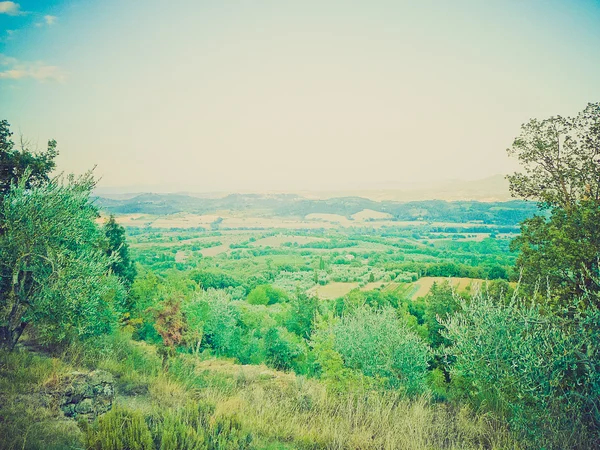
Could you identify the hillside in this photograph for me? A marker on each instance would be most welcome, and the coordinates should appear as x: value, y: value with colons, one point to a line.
x: 281, y: 205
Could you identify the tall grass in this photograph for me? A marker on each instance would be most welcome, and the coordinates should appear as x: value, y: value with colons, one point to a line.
x: 305, y: 414
x: 29, y: 413
x: 231, y: 407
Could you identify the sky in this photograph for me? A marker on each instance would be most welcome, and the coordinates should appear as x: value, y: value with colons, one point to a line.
x: 194, y: 95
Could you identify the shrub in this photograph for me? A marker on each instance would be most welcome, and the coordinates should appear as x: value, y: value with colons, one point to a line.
x: 266, y: 295
x: 281, y: 348
x: 538, y: 369
x: 379, y: 345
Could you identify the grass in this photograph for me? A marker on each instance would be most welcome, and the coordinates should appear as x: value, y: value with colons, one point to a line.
x: 281, y: 407
x: 219, y: 404
x: 334, y: 290
x: 29, y: 414
x: 424, y: 284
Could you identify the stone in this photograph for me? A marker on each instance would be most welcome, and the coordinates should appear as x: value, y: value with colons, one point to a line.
x: 87, y: 395
x: 85, y: 406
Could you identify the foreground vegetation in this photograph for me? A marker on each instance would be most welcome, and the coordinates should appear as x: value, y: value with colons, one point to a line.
x: 225, y: 405
x: 240, y: 347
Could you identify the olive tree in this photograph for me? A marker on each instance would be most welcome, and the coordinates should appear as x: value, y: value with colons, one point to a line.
x: 55, y: 275
x: 540, y: 371
x: 15, y: 161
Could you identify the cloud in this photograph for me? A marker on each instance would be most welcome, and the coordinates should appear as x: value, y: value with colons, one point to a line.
x: 17, y: 70
x: 10, y: 8
x: 50, y: 20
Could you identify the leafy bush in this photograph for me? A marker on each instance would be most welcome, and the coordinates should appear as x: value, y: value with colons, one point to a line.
x: 538, y: 369
x: 379, y: 345
x: 266, y: 295
x: 282, y: 348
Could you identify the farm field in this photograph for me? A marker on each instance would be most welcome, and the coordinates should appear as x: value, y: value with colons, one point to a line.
x: 323, y: 255
x: 333, y: 290
x: 423, y: 285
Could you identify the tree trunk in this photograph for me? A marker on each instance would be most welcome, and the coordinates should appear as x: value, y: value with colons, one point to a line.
x: 10, y: 336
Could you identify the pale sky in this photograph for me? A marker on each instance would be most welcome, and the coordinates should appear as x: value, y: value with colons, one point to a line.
x: 253, y: 95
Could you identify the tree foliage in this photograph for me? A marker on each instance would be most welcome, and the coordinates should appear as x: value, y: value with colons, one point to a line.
x: 266, y: 295
x: 440, y: 304
x: 379, y: 345
x: 171, y: 325
x: 560, y: 157
x: 15, y: 162
x: 117, y: 246
x: 561, y: 254
x: 55, y: 275
x: 560, y: 250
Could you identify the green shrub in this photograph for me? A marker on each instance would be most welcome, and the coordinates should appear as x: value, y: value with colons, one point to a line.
x: 266, y: 295
x: 379, y: 345
x: 538, y: 369
x: 281, y: 348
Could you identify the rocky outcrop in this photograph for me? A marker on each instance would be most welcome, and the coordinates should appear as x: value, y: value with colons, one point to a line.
x: 87, y: 395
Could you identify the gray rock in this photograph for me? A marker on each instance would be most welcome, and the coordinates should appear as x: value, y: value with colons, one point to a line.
x: 87, y: 395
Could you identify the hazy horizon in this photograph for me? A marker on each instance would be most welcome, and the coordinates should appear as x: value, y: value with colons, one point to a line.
x: 201, y: 97
x: 490, y: 189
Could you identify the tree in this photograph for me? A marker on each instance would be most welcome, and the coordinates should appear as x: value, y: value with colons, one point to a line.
x: 14, y: 162
x: 117, y: 246
x: 560, y: 248
x: 221, y: 329
x: 302, y: 314
x: 170, y: 323
x: 55, y: 275
x: 560, y: 157
x: 560, y: 254
x: 281, y: 348
x: 440, y: 304
x: 266, y: 295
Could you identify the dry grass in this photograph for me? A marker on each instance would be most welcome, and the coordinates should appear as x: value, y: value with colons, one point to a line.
x: 333, y: 290
x: 460, y: 284
x: 366, y: 214
x: 286, y: 408
x: 279, y: 409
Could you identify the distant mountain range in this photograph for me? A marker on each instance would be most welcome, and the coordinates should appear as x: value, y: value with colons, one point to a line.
x: 490, y: 189
x: 295, y: 206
